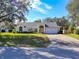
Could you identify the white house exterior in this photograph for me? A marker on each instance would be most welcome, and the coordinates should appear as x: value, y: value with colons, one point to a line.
x: 41, y: 27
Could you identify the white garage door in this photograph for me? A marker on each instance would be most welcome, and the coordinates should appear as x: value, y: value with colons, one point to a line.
x: 51, y: 30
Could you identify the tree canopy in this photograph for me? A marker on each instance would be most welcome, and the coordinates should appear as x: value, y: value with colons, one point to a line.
x: 73, y: 8
x: 14, y: 9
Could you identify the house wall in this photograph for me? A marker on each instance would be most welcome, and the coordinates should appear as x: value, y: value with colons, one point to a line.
x: 52, y: 27
x: 28, y: 26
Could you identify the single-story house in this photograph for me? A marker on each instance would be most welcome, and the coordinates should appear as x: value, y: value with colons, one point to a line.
x: 40, y: 27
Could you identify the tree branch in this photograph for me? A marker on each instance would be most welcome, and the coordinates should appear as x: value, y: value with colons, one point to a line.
x: 9, y: 14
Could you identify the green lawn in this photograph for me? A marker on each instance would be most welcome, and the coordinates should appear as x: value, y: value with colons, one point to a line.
x: 23, y: 40
x: 74, y: 36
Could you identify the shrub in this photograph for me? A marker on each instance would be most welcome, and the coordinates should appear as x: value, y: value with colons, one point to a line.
x: 10, y: 30
x: 71, y: 29
x: 2, y: 30
x: 61, y: 31
x: 77, y: 31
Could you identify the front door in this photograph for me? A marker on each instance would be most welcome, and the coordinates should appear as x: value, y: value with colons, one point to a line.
x: 20, y: 29
x: 41, y: 29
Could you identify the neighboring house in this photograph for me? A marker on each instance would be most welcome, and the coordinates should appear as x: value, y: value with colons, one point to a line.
x: 40, y: 27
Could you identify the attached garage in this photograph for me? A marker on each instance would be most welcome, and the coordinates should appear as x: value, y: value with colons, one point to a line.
x: 52, y: 30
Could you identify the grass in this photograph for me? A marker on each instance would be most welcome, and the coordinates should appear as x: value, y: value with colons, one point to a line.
x: 23, y: 40
x: 74, y: 36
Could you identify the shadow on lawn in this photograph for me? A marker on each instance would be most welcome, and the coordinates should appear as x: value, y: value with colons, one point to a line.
x: 37, y: 53
x: 23, y: 41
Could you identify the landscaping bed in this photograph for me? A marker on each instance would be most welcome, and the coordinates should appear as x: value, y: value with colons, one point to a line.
x: 23, y: 40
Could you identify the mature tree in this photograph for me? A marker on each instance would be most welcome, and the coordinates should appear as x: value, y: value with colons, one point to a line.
x: 73, y: 8
x: 12, y: 9
x: 63, y: 23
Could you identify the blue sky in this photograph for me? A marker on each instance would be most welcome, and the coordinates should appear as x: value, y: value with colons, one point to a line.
x: 47, y: 8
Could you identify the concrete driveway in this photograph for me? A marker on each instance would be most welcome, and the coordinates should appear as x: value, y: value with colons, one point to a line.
x: 61, y: 47
x: 63, y: 40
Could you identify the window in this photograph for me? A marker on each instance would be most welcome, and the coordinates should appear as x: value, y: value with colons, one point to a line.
x: 24, y: 26
x: 46, y: 25
x: 20, y: 29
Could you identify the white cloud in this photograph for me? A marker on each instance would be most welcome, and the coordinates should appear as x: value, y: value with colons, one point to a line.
x: 47, y: 6
x: 37, y: 2
x: 36, y: 5
x: 39, y: 9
